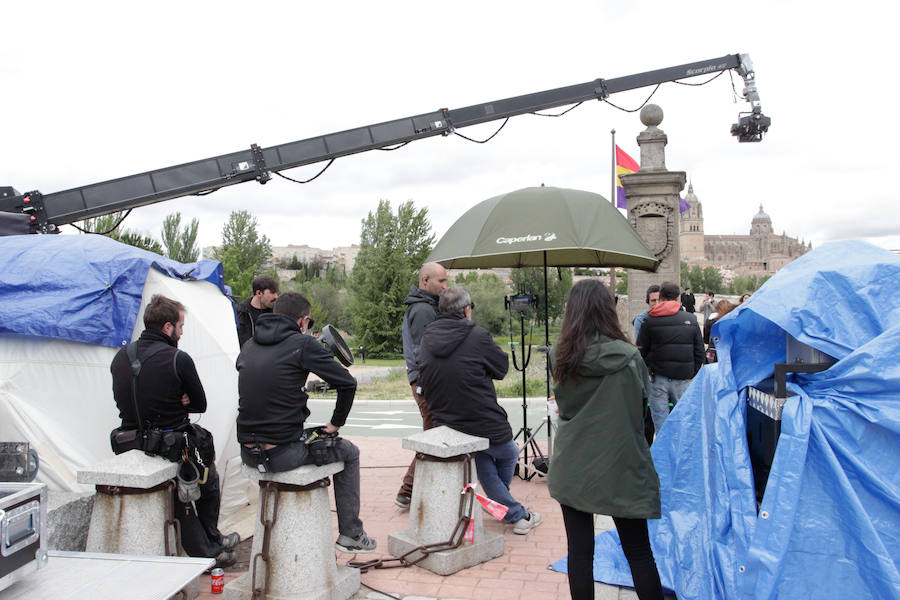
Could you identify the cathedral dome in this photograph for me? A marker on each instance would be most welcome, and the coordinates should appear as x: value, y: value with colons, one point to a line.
x: 761, y: 216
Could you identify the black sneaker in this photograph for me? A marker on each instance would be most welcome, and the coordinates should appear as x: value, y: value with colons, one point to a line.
x: 231, y: 540
x: 402, y: 501
x: 359, y: 545
x: 225, y: 559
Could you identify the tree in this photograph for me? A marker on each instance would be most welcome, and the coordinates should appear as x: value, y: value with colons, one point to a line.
x: 242, y: 252
x: 531, y: 281
x: 110, y: 226
x: 392, y: 248
x: 487, y: 292
x: 180, y: 244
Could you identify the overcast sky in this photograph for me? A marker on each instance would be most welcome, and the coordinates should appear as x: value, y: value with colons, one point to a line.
x: 95, y: 91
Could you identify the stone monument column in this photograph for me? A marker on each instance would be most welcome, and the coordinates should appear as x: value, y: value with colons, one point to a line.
x: 653, y: 210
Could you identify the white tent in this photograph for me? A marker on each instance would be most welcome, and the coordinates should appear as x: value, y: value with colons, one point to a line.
x: 56, y: 393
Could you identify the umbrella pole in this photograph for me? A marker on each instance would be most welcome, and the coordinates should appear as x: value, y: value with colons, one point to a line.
x: 547, y: 354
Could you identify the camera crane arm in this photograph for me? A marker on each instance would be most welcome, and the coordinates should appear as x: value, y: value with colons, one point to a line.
x: 47, y: 212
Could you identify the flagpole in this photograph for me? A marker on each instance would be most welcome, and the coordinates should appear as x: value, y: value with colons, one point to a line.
x: 612, y: 198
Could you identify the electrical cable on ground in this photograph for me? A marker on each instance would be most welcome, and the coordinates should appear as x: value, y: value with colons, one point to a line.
x: 377, y: 591
x: 325, y: 168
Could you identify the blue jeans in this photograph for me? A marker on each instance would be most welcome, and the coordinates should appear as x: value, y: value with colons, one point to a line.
x: 664, y: 390
x: 495, y: 467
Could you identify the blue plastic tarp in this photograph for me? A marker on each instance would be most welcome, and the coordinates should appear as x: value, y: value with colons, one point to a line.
x: 85, y: 288
x: 829, y: 523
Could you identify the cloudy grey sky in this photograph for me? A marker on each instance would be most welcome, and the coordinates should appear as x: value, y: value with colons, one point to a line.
x: 95, y: 91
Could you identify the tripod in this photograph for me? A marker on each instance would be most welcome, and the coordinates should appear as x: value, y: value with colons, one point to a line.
x: 540, y: 463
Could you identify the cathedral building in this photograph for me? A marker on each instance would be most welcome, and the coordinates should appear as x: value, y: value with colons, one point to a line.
x: 761, y: 252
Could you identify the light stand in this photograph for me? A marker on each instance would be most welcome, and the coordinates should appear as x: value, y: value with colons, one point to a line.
x: 521, y: 303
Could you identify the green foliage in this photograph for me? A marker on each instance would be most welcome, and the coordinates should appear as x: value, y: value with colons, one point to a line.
x: 108, y: 225
x: 392, y: 248
x: 747, y: 284
x: 704, y: 280
x: 531, y: 281
x: 333, y: 302
x: 487, y: 293
x: 622, y: 283
x: 180, y: 244
x: 242, y: 252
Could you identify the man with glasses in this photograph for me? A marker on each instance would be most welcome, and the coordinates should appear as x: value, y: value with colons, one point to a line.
x: 272, y: 370
x: 458, y: 362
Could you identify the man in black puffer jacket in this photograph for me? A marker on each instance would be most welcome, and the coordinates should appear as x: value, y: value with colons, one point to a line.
x: 672, y: 346
x: 458, y: 362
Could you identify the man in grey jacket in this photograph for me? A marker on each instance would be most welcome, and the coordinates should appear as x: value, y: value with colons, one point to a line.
x: 421, y: 309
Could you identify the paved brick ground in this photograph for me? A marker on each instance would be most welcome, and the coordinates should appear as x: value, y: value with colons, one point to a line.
x: 520, y: 572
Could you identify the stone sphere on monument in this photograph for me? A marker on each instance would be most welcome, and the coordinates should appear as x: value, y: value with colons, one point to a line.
x: 651, y: 115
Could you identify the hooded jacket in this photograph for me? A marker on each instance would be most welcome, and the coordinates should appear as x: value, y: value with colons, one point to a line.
x: 421, y: 309
x: 272, y: 371
x: 247, y: 315
x: 601, y: 461
x: 671, y: 342
x: 458, y: 362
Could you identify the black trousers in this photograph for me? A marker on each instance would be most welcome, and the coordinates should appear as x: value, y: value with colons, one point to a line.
x: 635, y: 544
x: 200, y: 534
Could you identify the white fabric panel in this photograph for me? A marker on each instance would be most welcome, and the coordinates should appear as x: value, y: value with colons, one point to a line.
x: 57, y: 394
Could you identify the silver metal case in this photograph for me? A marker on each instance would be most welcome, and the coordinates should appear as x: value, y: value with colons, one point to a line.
x: 23, y: 530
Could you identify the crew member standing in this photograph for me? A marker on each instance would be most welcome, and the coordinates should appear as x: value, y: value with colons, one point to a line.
x: 421, y: 309
x: 265, y: 293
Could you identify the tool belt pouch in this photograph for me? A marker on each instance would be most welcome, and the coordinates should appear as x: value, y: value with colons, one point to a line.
x: 320, y: 445
x: 171, y: 447
x: 188, y: 482
x: 202, y: 440
x: 122, y: 440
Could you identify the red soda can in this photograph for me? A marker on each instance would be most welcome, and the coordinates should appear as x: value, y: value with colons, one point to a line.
x: 218, y: 580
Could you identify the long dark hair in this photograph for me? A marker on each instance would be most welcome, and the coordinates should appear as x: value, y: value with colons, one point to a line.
x: 590, y: 310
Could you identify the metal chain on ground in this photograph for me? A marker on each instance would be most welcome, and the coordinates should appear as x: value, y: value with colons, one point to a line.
x: 466, y: 504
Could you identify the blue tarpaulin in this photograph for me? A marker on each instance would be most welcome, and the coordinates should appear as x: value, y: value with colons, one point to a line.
x: 85, y: 288
x: 829, y: 524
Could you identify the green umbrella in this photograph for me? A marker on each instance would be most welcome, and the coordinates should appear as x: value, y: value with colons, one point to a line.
x: 541, y: 227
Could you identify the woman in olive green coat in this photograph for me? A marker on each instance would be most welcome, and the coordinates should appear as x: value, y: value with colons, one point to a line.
x: 601, y: 462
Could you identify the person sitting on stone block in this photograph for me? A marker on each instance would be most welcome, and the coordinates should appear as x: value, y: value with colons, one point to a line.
x: 457, y: 362
x: 272, y: 370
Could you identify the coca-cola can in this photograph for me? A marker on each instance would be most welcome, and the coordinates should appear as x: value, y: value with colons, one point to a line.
x: 218, y: 580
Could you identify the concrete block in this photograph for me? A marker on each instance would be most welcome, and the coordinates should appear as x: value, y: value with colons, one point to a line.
x: 68, y: 517
x: 130, y: 523
x: 444, y: 442
x: 301, y: 543
x: 433, y: 517
x: 132, y: 469
x: 300, y: 476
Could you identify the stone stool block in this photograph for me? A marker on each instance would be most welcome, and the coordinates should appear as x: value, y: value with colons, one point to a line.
x: 301, y: 542
x: 434, y: 509
x: 133, y: 522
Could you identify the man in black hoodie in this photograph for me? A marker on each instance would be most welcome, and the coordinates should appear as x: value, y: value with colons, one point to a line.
x: 265, y: 293
x: 272, y: 370
x: 458, y: 362
x: 421, y: 309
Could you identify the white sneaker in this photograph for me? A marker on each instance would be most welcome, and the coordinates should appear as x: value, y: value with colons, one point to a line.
x: 523, y: 526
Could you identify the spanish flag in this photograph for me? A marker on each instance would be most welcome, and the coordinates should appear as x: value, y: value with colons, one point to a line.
x: 624, y: 166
